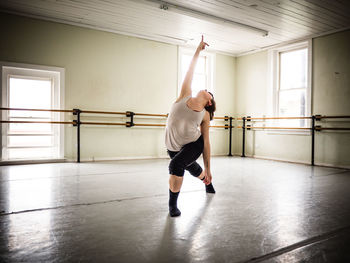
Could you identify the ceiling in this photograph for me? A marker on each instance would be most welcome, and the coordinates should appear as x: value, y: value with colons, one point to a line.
x: 232, y: 27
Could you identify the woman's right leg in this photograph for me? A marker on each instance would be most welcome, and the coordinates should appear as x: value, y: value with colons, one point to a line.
x: 175, y: 183
x: 179, y: 161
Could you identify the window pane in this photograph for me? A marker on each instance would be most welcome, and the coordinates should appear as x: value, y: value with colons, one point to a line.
x: 292, y: 104
x: 25, y: 141
x: 29, y: 127
x: 29, y: 93
x: 185, y: 64
x: 198, y: 83
x: 293, y: 69
x: 31, y: 153
x: 200, y: 67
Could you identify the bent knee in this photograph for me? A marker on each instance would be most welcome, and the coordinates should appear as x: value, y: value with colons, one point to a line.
x: 196, y: 171
x: 176, y: 168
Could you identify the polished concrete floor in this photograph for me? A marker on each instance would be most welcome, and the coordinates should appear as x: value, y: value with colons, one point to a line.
x: 263, y: 211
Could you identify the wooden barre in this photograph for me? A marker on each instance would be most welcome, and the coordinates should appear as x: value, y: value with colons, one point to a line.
x: 149, y: 125
x: 332, y: 117
x: 222, y: 118
x: 221, y: 126
x: 166, y: 115
x: 102, y: 112
x: 48, y: 122
x: 154, y: 115
x: 102, y: 123
x: 163, y: 125
x: 339, y: 129
x: 275, y: 118
x: 280, y: 128
x: 20, y: 109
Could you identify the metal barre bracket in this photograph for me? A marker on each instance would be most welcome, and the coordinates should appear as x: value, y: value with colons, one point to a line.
x: 318, y: 117
x: 76, y: 111
x: 130, y: 123
x: 77, y: 121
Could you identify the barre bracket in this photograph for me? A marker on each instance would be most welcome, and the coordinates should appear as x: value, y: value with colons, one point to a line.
x: 318, y: 117
x: 130, y: 123
x: 76, y: 111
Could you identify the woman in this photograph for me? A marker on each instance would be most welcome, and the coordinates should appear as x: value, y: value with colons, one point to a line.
x: 183, y: 139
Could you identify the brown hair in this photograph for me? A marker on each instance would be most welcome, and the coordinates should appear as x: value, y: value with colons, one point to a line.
x: 211, y: 109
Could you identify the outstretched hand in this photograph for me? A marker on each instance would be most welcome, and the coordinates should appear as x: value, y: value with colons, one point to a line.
x: 202, y: 45
x: 207, y: 177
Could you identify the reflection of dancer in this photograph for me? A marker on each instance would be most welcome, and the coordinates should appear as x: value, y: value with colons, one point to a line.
x: 184, y: 141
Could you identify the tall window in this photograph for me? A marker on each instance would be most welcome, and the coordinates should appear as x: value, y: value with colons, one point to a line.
x: 31, y: 88
x: 292, y: 89
x: 203, y: 76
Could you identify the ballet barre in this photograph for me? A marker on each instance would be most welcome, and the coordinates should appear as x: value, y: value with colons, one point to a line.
x: 228, y: 125
x: 313, y: 128
x: 77, y: 122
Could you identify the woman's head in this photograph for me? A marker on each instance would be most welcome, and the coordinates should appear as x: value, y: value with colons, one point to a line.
x: 211, y: 105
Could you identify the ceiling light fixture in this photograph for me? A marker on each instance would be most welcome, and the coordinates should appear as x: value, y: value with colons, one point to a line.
x: 208, y: 17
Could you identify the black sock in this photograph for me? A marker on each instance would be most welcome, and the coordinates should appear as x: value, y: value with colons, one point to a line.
x: 209, y: 188
x: 173, y: 210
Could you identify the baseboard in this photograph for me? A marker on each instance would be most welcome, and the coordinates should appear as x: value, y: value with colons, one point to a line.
x: 106, y: 159
x: 347, y: 167
x: 23, y: 162
x: 296, y: 162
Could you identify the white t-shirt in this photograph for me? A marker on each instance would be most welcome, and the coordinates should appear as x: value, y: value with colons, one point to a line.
x: 182, y: 125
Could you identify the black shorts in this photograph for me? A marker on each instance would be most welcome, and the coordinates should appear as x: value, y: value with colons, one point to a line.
x: 185, y: 159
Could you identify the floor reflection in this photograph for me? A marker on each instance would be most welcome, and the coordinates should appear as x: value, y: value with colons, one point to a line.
x: 289, y: 211
x: 182, y: 238
x: 28, y: 233
x: 24, y: 194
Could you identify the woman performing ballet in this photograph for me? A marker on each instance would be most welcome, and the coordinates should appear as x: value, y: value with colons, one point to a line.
x: 187, y: 135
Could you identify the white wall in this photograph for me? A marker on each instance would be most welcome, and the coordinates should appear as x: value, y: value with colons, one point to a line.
x: 111, y: 72
x: 331, y: 96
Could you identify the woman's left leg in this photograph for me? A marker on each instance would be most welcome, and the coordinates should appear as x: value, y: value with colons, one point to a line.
x: 196, y: 170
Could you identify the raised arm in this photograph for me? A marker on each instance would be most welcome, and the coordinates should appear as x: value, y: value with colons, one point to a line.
x: 206, y: 151
x: 186, y: 85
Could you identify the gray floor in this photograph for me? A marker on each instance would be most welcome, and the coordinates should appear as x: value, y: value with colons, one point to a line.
x: 263, y: 211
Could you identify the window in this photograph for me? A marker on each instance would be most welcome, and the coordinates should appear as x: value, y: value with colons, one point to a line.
x: 292, y: 84
x: 203, y: 76
x: 31, y: 87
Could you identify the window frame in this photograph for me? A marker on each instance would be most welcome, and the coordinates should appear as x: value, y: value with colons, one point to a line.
x: 57, y: 75
x: 274, y: 82
x: 210, y: 65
